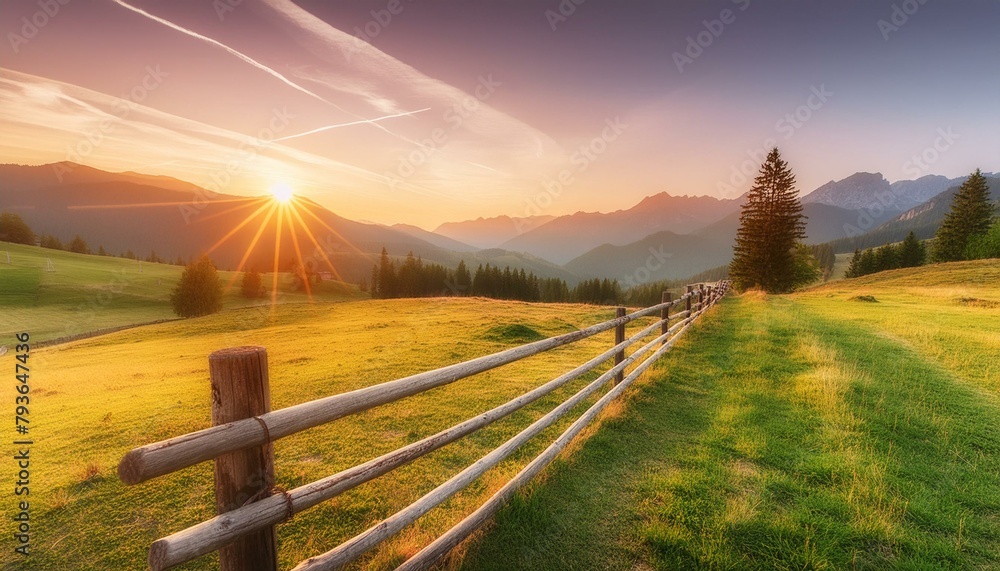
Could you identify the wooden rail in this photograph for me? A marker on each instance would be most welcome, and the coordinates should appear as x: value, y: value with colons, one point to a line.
x: 244, y: 426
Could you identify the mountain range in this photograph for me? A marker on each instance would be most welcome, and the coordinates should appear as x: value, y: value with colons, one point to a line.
x: 661, y: 237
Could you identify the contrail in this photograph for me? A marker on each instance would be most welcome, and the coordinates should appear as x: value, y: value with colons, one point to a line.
x: 217, y: 43
x: 258, y: 65
x: 361, y: 122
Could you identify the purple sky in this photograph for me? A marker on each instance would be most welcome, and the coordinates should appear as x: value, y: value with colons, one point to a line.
x: 452, y: 110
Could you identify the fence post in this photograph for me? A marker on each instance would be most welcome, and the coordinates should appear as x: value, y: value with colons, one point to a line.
x: 687, y: 305
x: 619, y: 337
x: 240, y: 390
x: 665, y: 315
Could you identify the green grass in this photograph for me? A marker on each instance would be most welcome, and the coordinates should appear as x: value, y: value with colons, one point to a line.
x: 797, y: 432
x: 88, y: 293
x: 810, y: 431
x: 95, y: 399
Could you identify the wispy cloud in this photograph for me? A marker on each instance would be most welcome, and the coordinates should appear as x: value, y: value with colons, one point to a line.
x: 351, y: 123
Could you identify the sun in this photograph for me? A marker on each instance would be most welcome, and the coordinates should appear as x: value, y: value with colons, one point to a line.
x: 282, y: 193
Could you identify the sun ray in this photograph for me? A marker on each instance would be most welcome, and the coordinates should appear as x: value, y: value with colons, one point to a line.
x: 249, y: 204
x: 277, y: 256
x: 149, y: 204
x: 315, y: 242
x: 237, y: 228
x: 253, y: 244
x: 335, y: 233
x: 298, y: 252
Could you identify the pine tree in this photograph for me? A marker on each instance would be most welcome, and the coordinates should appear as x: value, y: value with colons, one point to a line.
x: 463, y: 279
x: 101, y: 251
x: 386, y: 277
x: 771, y: 224
x: 854, y: 270
x: 199, y: 292
x: 374, y: 283
x: 971, y: 215
x: 912, y: 252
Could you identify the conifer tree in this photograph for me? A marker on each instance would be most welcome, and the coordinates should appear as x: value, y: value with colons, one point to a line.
x: 912, y: 252
x: 971, y: 215
x: 771, y: 224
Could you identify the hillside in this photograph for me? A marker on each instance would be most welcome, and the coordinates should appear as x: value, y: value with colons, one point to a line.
x: 97, y: 398
x: 568, y: 237
x: 490, y: 232
x: 432, y: 238
x: 812, y: 431
x: 80, y: 293
x: 661, y: 256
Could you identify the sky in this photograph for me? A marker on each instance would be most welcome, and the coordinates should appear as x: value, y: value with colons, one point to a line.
x: 424, y: 112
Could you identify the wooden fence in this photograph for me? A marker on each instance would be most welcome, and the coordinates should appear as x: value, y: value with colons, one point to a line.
x: 249, y: 504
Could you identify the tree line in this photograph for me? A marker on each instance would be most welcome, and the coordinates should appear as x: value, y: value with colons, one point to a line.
x: 909, y: 253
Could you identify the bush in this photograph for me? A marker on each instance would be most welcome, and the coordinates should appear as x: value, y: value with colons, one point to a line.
x: 251, y: 287
x: 199, y: 291
x: 14, y: 229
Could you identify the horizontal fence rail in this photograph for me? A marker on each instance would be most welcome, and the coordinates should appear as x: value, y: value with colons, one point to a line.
x: 254, y: 434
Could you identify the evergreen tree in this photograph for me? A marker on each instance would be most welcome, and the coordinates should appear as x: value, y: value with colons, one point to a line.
x: 101, y: 251
x: 386, y: 276
x: 252, y: 287
x: 199, y: 292
x: 463, y: 279
x: 806, y: 268
x: 912, y: 252
x: 14, y: 229
x: 854, y: 270
x: 771, y: 224
x: 886, y: 258
x: 78, y: 246
x: 971, y: 215
x: 374, y: 282
x: 51, y: 242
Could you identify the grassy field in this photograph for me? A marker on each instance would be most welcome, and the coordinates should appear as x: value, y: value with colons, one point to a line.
x: 87, y: 293
x: 93, y: 400
x: 852, y: 426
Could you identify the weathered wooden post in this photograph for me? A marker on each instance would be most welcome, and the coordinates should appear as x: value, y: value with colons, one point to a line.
x: 665, y: 315
x: 619, y: 337
x: 240, y: 390
x: 687, y: 304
